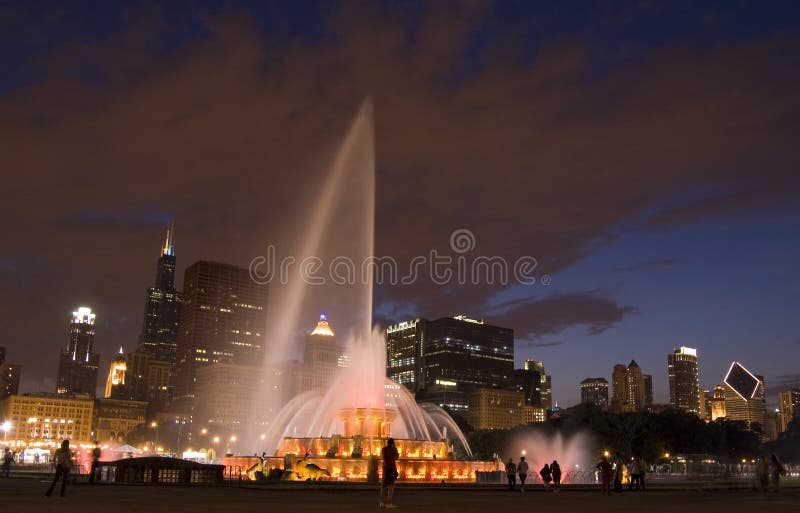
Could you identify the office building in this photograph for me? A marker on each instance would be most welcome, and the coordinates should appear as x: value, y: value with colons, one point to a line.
x: 789, y: 406
x: 469, y: 352
x: 10, y: 374
x: 648, y: 390
x: 115, y: 383
x: 223, y: 317
x: 77, y: 366
x: 148, y: 379
x: 684, y: 379
x: 225, y: 393
x: 404, y: 354
x: 322, y: 357
x: 457, y: 349
x: 629, y: 392
x: 744, y: 396
x: 114, y: 419
x: 496, y: 408
x: 162, y: 308
x: 718, y: 403
x: 595, y: 391
x: 44, y: 420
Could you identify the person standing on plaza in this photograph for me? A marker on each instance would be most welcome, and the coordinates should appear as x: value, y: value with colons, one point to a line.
x: 63, y: 463
x: 522, y: 470
x: 619, y: 465
x: 605, y: 476
x: 633, y: 472
x: 389, y: 455
x: 546, y: 476
x: 511, y: 474
x: 8, y: 458
x: 776, y: 470
x: 95, y: 459
x: 555, y: 469
x: 641, y: 468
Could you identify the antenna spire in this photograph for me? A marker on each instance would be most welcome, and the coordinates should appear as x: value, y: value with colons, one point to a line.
x: 169, y: 244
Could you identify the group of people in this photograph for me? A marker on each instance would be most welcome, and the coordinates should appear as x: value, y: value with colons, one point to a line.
x: 768, y: 473
x: 550, y: 473
x: 637, y: 470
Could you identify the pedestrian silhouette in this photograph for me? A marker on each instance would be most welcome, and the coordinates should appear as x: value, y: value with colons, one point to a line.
x: 63, y: 463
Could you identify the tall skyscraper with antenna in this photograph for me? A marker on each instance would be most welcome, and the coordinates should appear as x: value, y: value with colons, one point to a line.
x: 162, y: 307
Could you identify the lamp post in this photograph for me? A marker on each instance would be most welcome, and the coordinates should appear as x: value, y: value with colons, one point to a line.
x: 6, y: 429
x: 180, y: 423
x: 154, y: 425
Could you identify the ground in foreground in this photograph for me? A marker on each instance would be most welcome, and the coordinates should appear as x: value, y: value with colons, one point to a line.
x: 26, y: 495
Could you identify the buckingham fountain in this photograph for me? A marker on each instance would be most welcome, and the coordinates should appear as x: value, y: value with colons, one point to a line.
x: 337, y: 432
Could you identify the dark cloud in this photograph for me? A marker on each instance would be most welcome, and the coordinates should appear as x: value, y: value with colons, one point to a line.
x: 534, y: 318
x: 231, y: 136
x: 530, y: 344
x: 648, y: 265
x: 780, y: 383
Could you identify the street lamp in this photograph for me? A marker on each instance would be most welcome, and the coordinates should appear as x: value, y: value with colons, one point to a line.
x: 154, y: 425
x: 6, y: 429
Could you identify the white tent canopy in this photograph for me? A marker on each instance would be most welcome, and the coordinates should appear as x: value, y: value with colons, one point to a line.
x: 127, y: 448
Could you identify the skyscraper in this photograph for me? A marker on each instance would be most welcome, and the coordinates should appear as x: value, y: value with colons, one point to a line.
x: 744, y: 395
x: 542, y: 395
x: 718, y: 403
x: 469, y: 352
x: 223, y: 317
x: 684, y: 380
x: 629, y: 388
x: 162, y: 308
x: 77, y: 367
x: 115, y: 383
x: 789, y: 406
x: 464, y: 352
x: 404, y: 356
x: 648, y: 390
x: 595, y: 391
x: 9, y: 376
x: 321, y: 358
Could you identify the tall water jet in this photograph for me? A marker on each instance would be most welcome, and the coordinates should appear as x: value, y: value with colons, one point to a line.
x: 341, y: 424
x: 352, y: 176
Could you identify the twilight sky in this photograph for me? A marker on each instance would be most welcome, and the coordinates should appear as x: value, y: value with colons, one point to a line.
x: 646, y: 154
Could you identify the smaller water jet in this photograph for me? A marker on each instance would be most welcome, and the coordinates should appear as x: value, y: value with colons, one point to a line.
x: 575, y: 453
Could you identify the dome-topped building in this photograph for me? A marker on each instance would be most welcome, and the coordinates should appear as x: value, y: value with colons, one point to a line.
x: 323, y: 329
x: 321, y: 358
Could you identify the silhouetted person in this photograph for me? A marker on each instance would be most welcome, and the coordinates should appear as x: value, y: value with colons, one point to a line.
x: 762, y: 474
x: 546, y: 475
x: 605, y: 476
x: 511, y: 474
x: 633, y: 470
x: 8, y: 458
x: 62, y: 459
x: 389, y: 455
x: 619, y: 465
x: 641, y: 467
x: 522, y: 471
x: 95, y: 459
x: 555, y: 469
x: 776, y: 469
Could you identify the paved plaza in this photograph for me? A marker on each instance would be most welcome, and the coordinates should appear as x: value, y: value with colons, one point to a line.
x: 26, y: 495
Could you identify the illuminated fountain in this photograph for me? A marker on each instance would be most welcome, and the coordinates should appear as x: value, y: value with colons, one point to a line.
x: 343, y: 429
x: 338, y: 432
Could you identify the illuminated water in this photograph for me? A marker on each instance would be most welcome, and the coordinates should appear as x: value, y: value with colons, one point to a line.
x: 344, y: 205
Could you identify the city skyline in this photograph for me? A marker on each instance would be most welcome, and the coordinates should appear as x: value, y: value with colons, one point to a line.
x: 647, y: 163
